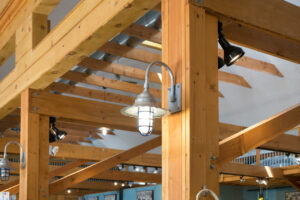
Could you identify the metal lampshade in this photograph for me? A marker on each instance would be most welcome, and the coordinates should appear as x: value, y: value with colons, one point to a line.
x: 145, y: 99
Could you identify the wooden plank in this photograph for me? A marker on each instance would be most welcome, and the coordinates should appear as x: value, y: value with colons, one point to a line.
x: 233, y: 78
x: 250, y: 170
x: 13, y: 18
x: 190, y: 137
x: 76, y: 37
x: 130, y: 52
x: 260, y: 14
x: 118, y: 69
x: 43, y: 145
x: 91, y: 93
x: 4, y: 5
x: 13, y: 187
x: 102, y: 166
x: 285, y: 143
x: 93, y: 79
x: 153, y: 35
x: 262, y: 41
x: 7, y: 50
x: 292, y: 183
x: 129, y: 176
x: 104, y: 114
x: 258, y: 134
x: 29, y: 176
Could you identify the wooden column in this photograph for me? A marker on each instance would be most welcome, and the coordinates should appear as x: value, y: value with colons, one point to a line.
x: 190, y: 138
x: 35, y: 142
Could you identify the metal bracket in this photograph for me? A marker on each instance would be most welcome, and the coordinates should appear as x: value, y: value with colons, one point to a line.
x: 175, y: 106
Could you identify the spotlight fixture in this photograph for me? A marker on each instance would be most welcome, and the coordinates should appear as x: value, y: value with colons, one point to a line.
x: 123, y: 184
x: 54, y: 133
x: 69, y: 191
x: 231, y: 53
x: 242, y: 180
x: 220, y: 62
x: 145, y: 107
x: 155, y: 171
x: 5, y: 166
x: 115, y: 183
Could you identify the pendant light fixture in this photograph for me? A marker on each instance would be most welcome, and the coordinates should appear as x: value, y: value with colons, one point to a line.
x: 5, y: 166
x: 145, y: 108
x: 231, y: 53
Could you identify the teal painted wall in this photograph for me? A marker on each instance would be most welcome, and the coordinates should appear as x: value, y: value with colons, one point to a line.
x: 227, y: 192
x: 130, y: 194
x: 101, y: 195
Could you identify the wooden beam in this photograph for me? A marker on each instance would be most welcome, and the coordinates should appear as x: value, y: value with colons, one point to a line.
x: 250, y: 170
x: 68, y: 44
x: 258, y: 134
x: 292, y: 183
x: 262, y: 41
x: 35, y: 142
x: 102, y: 166
x: 190, y: 137
x: 153, y: 35
x: 13, y: 187
x: 115, y: 68
x: 285, y: 143
x: 233, y: 78
x: 130, y: 52
x: 93, y: 79
x: 91, y: 93
x: 72, y: 151
x: 129, y: 176
x: 260, y: 15
x: 13, y: 17
x: 148, y: 57
x: 104, y: 114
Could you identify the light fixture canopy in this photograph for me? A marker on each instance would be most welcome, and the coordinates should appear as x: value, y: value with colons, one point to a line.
x: 145, y: 107
x: 5, y: 166
x: 231, y: 53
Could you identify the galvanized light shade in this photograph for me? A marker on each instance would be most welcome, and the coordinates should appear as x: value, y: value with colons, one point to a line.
x: 145, y: 107
x: 5, y: 166
x: 145, y: 99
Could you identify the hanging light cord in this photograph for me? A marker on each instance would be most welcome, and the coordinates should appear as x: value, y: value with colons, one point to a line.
x: 205, y: 191
x: 22, y: 152
x: 146, y: 85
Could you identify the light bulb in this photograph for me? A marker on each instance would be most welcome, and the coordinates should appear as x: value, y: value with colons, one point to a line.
x: 104, y: 131
x: 69, y: 191
x: 123, y: 185
x: 115, y: 183
x: 145, y: 120
x: 155, y: 171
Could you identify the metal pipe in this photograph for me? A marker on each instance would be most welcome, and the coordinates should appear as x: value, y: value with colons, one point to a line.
x: 22, y: 152
x: 146, y: 85
x: 205, y: 191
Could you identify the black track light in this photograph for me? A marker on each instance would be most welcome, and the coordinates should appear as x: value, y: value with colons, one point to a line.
x: 54, y: 133
x: 220, y: 62
x: 231, y: 53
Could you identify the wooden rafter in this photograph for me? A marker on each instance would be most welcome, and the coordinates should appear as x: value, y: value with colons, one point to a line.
x: 258, y: 134
x: 93, y: 79
x: 102, y: 166
x: 153, y: 35
x: 67, y: 45
x: 148, y: 57
x: 74, y: 151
